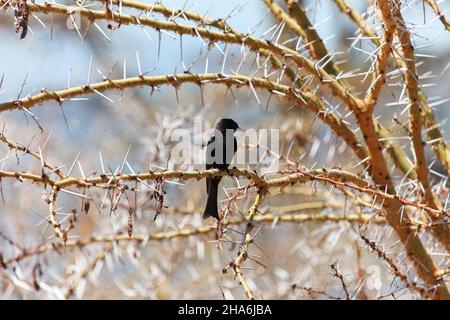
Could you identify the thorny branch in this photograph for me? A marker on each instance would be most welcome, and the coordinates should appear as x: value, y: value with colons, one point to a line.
x: 321, y: 70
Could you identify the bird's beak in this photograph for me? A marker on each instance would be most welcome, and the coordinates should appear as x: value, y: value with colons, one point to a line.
x: 239, y: 129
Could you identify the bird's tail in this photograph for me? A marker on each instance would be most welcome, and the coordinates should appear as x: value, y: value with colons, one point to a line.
x: 211, y: 204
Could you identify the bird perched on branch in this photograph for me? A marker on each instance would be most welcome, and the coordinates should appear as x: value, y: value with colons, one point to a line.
x: 219, y: 153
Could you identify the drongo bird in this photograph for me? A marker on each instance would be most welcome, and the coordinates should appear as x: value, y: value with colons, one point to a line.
x: 219, y: 153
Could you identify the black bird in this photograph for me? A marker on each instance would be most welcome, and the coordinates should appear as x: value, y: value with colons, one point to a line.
x: 219, y: 152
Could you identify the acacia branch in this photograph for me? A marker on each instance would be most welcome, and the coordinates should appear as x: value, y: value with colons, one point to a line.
x: 59, y: 233
x: 303, y: 97
x: 412, y: 87
x: 236, y: 264
x: 382, y: 57
x: 172, y: 13
x: 440, y: 147
x: 268, y: 218
x: 319, y: 52
x: 415, y: 127
x: 434, y: 6
x: 335, y: 177
x: 252, y: 42
x: 395, y: 269
x: 415, y: 249
x: 34, y: 154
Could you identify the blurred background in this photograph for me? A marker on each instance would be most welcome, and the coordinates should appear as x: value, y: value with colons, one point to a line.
x: 132, y: 123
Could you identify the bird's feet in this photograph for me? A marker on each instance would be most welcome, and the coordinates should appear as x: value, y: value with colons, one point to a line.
x: 230, y: 171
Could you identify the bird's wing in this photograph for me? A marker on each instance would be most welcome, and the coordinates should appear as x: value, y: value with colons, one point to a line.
x: 210, y: 153
x: 215, y: 153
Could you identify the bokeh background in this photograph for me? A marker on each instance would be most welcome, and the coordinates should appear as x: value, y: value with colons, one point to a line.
x: 53, y: 56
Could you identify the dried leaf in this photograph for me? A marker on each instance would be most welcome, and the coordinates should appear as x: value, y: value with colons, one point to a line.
x: 21, y: 14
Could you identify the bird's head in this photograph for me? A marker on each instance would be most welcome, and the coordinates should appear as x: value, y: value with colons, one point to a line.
x: 227, y: 124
